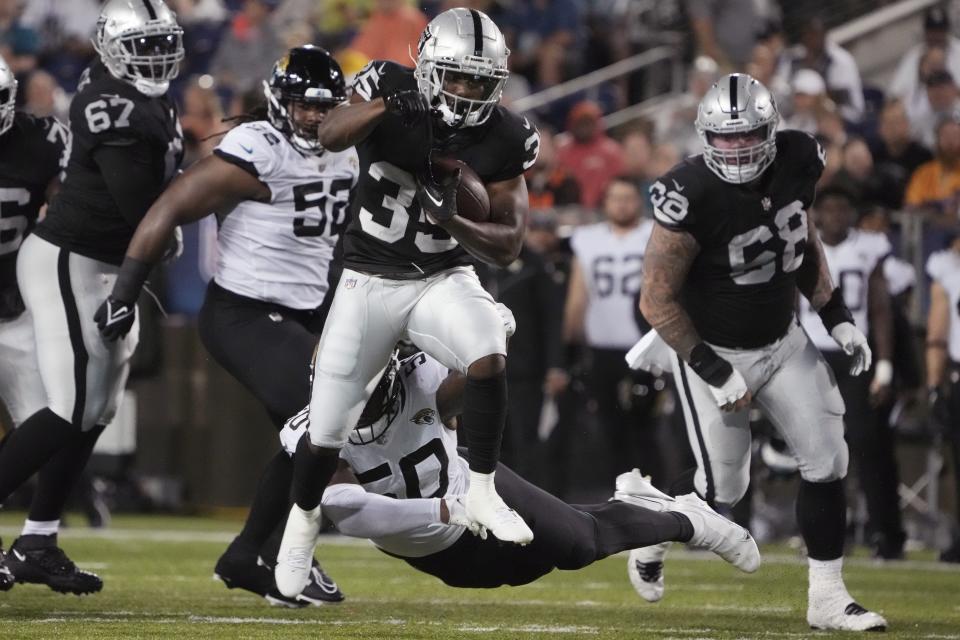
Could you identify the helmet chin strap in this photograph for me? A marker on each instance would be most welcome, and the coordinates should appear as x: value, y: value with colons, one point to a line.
x: 151, y: 88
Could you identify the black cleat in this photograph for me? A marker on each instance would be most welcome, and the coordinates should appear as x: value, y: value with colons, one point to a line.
x: 240, y: 568
x: 321, y: 589
x: 6, y: 578
x: 37, y: 559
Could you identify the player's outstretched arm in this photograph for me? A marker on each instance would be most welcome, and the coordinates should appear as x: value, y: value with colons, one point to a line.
x: 498, y: 241
x: 348, y: 124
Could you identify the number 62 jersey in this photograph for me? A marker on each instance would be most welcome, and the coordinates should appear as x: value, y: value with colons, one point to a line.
x: 280, y: 250
x: 740, y: 291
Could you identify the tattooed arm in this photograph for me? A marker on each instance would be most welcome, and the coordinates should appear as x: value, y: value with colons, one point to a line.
x: 813, y: 276
x: 665, y: 266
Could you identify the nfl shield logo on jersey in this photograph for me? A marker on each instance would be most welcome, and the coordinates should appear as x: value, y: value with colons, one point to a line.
x: 766, y: 203
x: 350, y: 283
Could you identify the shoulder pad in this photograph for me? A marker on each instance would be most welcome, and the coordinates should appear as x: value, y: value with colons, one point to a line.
x: 673, y: 194
x: 379, y: 78
x: 518, y: 140
x: 803, y: 149
x: 252, y: 146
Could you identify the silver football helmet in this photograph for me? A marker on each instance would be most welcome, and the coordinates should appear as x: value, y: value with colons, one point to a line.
x: 383, y: 407
x: 140, y: 42
x: 8, y: 96
x: 736, y: 107
x: 463, y: 42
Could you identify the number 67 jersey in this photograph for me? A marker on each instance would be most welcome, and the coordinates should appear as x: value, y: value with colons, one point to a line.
x: 280, y: 250
x: 741, y: 288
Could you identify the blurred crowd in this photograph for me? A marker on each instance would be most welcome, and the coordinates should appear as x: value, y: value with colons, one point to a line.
x: 895, y: 148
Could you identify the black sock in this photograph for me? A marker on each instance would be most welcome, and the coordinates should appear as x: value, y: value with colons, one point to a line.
x: 58, y: 477
x: 622, y: 526
x: 29, y: 447
x: 822, y: 516
x: 311, y: 473
x: 271, y: 502
x: 483, y: 420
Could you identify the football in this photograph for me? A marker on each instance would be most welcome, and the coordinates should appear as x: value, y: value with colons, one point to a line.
x: 473, y: 203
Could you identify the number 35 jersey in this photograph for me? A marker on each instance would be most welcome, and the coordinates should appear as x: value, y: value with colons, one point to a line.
x: 84, y: 217
x: 389, y: 234
x: 741, y: 288
x: 280, y: 251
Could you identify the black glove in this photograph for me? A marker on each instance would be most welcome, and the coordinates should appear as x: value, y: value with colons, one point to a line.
x: 439, y: 199
x: 410, y: 106
x: 115, y: 318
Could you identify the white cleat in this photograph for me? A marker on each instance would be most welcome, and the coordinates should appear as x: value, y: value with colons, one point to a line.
x: 489, y: 511
x: 295, y: 558
x: 711, y: 531
x: 838, y: 610
x: 645, y: 569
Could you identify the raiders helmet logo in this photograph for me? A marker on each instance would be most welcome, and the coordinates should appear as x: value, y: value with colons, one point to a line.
x: 426, y: 35
x: 424, y: 416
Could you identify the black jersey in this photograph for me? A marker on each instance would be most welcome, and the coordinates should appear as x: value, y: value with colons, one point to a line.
x: 31, y: 152
x: 388, y: 233
x: 741, y: 288
x: 84, y: 217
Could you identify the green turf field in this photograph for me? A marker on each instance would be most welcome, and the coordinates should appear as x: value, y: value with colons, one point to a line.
x: 157, y: 573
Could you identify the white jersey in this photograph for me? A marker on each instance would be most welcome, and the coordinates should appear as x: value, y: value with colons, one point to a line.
x: 612, y: 267
x: 415, y: 458
x: 900, y: 275
x: 851, y: 262
x: 943, y: 267
x: 279, y: 251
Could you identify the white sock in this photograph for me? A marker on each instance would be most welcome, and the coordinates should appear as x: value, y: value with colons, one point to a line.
x: 826, y: 573
x: 40, y: 527
x: 481, y: 482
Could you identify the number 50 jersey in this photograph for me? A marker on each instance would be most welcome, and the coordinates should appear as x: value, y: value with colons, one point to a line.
x: 741, y: 288
x: 280, y: 251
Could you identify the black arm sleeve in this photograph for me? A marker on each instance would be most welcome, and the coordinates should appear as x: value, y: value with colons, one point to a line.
x: 130, y: 176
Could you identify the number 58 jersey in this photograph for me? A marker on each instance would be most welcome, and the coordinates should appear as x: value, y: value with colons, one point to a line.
x: 740, y: 291
x: 280, y: 250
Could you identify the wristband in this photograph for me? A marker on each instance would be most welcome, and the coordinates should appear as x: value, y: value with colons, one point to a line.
x: 133, y: 273
x: 835, y: 311
x: 705, y: 362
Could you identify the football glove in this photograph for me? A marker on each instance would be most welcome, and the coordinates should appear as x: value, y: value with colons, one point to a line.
x: 457, y: 507
x: 731, y: 391
x: 439, y: 200
x: 175, y: 248
x: 410, y: 106
x: 854, y: 344
x: 509, y: 322
x: 115, y: 318
x: 650, y: 354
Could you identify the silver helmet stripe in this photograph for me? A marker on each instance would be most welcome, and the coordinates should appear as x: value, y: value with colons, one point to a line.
x: 477, y: 33
x: 150, y: 10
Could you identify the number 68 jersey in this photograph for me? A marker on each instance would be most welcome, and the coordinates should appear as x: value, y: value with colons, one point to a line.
x: 741, y: 288
x: 280, y: 250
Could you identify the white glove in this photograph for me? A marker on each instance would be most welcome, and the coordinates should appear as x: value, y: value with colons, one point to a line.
x: 509, y: 322
x: 882, y: 375
x: 854, y: 344
x: 175, y: 250
x: 457, y: 507
x: 732, y: 390
x: 651, y: 354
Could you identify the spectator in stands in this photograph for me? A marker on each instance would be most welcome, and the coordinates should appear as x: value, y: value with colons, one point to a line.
x: 338, y: 21
x: 834, y: 64
x: 763, y: 66
x: 934, y: 186
x: 726, y: 30
x: 542, y: 36
x: 66, y: 29
x: 809, y: 94
x: 908, y: 80
x: 896, y: 155
x: 600, y: 313
x: 678, y: 127
x: 549, y: 183
x: 856, y: 177
x: 933, y: 59
x: 18, y: 44
x: 665, y: 156
x: 637, y: 154
x: 391, y: 32
x: 943, y: 361
x: 943, y: 100
x: 248, y: 49
x: 201, y: 118
x: 588, y: 152
x: 44, y: 97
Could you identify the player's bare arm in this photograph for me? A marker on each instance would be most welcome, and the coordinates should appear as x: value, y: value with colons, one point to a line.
x: 212, y: 184
x: 575, y: 308
x: 881, y: 313
x: 665, y: 267
x: 938, y: 330
x: 813, y: 276
x: 350, y: 123
x: 450, y: 398
x: 498, y: 241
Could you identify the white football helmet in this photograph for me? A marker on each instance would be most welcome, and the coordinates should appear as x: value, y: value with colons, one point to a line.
x: 8, y: 96
x: 738, y: 104
x: 467, y: 42
x: 140, y: 42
